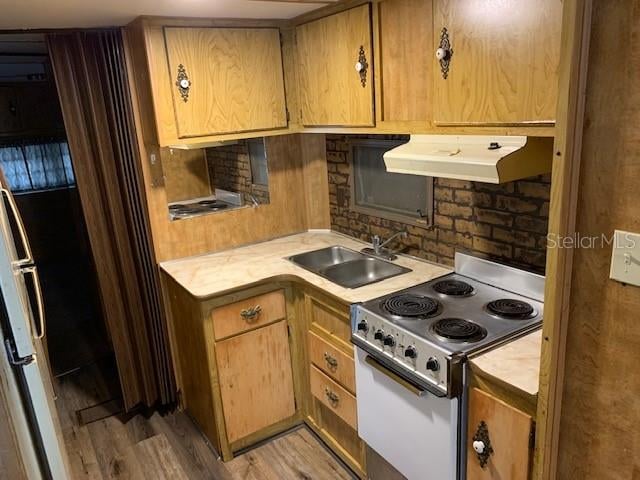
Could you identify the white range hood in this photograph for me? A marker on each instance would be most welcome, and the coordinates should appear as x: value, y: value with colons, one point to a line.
x: 480, y: 158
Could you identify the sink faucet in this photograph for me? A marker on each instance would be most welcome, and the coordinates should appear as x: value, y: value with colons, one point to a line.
x: 378, y: 246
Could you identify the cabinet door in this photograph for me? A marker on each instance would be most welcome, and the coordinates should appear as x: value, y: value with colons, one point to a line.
x: 10, y: 120
x: 406, y: 66
x: 256, y: 381
x: 509, y: 431
x: 503, y: 70
x: 234, y: 79
x: 18, y: 104
x: 332, y: 92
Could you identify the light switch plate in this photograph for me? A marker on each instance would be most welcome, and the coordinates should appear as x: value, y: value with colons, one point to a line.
x: 625, y: 259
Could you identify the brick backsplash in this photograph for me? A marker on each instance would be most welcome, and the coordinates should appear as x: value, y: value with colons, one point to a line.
x: 506, y: 222
x: 230, y: 169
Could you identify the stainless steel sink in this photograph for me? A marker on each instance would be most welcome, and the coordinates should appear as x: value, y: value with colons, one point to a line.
x: 317, y: 260
x: 346, y: 267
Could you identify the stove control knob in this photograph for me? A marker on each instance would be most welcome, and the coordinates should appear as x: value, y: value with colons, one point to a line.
x: 389, y: 341
x: 362, y: 326
x: 411, y: 352
x: 378, y: 335
x: 433, y: 364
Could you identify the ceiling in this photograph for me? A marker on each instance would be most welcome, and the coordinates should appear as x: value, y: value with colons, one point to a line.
x: 36, y: 14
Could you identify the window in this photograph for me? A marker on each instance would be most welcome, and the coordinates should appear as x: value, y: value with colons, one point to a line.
x: 394, y: 196
x: 258, y: 162
x: 37, y: 166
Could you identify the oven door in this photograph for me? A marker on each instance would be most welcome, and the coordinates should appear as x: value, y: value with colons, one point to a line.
x: 412, y: 429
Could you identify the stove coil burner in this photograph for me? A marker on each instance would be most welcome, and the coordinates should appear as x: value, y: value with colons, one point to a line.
x: 207, y: 203
x: 177, y: 206
x: 511, y: 309
x: 455, y: 288
x: 212, y: 204
x: 459, y: 330
x: 407, y: 305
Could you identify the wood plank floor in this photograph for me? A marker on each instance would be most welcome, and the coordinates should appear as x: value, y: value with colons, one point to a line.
x: 171, y: 447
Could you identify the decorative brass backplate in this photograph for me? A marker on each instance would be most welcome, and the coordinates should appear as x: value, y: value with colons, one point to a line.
x: 332, y: 396
x: 362, y: 66
x: 482, y: 437
x: 444, y: 53
x: 183, y: 83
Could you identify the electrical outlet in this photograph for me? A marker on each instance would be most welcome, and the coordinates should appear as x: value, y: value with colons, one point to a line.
x: 625, y: 259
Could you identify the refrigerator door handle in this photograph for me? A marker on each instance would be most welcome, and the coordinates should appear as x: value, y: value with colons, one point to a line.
x: 28, y: 259
x: 39, y: 300
x: 13, y: 357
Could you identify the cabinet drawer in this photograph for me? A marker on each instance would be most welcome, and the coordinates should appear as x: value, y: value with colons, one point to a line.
x: 336, y: 364
x: 247, y: 314
x: 330, y: 320
x: 332, y: 395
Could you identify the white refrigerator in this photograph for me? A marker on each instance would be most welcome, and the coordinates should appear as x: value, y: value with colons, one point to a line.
x: 26, y: 388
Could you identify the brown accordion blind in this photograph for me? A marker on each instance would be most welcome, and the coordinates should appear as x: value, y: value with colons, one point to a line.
x: 91, y: 78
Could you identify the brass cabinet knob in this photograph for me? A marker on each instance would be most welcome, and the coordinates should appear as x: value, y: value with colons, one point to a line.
x: 250, y: 314
x: 332, y: 396
x: 331, y: 360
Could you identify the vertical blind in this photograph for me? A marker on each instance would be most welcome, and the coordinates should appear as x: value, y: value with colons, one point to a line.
x: 37, y: 165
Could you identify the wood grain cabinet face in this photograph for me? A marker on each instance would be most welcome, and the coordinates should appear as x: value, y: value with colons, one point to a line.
x: 248, y: 314
x: 332, y: 409
x: 233, y: 80
x: 256, y: 381
x: 332, y: 361
x: 406, y: 60
x: 331, y: 91
x: 503, y: 70
x: 509, y: 432
x: 334, y: 396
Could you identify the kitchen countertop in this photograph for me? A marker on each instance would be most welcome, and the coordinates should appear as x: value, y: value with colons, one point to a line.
x: 221, y: 272
x: 515, y: 366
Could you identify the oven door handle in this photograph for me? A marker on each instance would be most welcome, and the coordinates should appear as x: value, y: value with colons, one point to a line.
x: 415, y: 389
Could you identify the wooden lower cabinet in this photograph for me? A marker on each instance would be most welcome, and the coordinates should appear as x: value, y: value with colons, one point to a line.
x: 235, y: 371
x: 256, y: 381
x: 244, y: 377
x: 331, y: 407
x: 244, y: 315
x: 332, y: 361
x: 509, y: 431
x: 334, y: 396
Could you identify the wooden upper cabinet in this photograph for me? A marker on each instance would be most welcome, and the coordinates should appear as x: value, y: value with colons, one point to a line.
x: 405, y: 33
x: 509, y: 433
x: 503, y: 70
x: 332, y: 92
x: 233, y: 80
